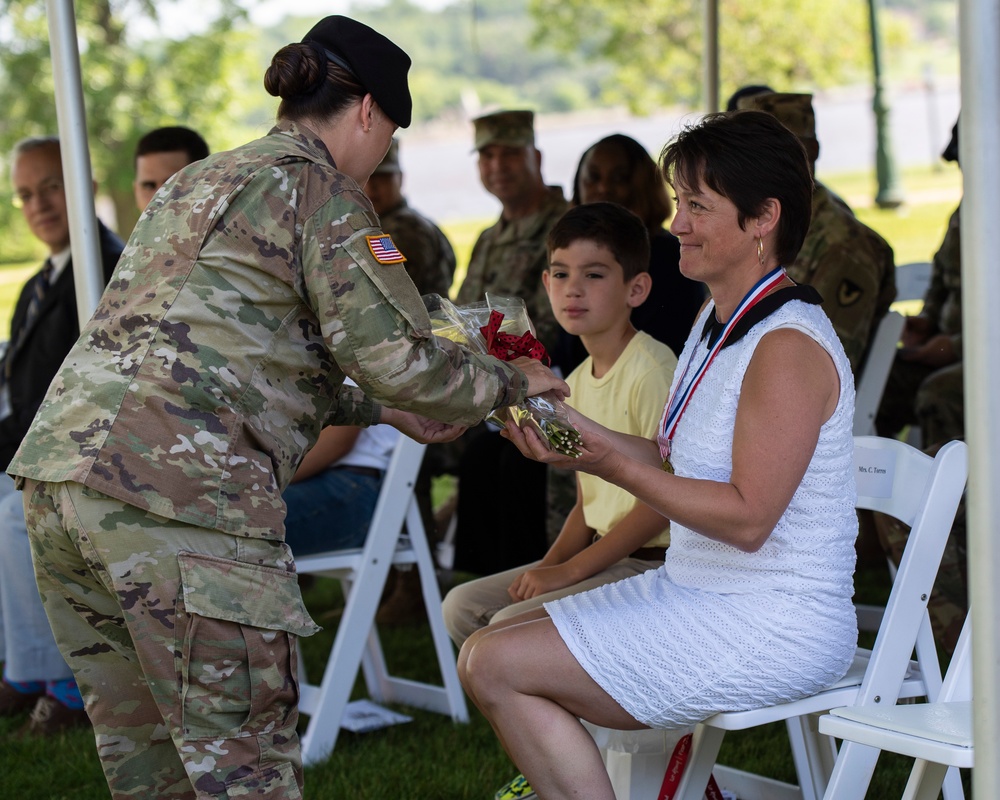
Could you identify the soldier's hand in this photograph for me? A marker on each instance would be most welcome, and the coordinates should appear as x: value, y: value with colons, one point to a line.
x: 541, y: 378
x: 422, y: 429
x: 938, y: 351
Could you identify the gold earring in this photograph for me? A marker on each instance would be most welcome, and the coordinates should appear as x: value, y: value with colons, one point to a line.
x: 760, y: 250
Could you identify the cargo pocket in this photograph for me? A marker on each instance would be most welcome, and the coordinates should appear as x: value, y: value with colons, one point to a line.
x: 238, y: 665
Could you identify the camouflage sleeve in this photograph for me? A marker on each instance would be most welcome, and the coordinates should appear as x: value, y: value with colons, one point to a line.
x: 945, y: 274
x: 850, y: 284
x: 354, y: 407
x: 378, y: 331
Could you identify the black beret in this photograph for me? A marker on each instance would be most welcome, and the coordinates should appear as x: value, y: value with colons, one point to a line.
x: 378, y: 64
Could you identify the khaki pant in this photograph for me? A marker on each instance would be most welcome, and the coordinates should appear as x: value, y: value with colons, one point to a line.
x: 182, y: 641
x: 475, y: 604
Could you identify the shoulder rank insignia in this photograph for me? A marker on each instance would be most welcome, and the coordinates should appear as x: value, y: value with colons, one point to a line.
x: 384, y: 250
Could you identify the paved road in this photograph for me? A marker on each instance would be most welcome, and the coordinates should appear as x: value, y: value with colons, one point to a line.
x: 442, y: 180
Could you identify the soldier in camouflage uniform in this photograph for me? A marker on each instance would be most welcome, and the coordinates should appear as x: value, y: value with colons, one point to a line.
x: 925, y: 382
x: 925, y: 387
x: 252, y: 284
x: 508, y: 259
x: 430, y: 260
x: 848, y: 263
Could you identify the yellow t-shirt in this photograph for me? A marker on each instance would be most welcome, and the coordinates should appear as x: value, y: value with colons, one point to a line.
x: 629, y: 399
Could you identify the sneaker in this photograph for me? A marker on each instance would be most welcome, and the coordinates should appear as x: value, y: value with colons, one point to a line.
x: 517, y: 789
x: 13, y: 702
x: 50, y: 717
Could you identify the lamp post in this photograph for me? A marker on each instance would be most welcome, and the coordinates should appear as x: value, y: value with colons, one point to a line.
x: 890, y: 194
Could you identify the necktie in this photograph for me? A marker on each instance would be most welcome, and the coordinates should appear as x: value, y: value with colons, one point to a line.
x: 39, y: 288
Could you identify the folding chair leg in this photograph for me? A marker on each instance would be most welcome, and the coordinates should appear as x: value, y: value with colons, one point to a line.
x: 448, y: 698
x: 324, y: 718
x: 814, y: 755
x: 925, y: 780
x: 853, y: 772
x: 705, y: 746
x: 432, y: 601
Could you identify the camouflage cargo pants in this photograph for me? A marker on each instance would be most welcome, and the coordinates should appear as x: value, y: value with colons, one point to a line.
x: 182, y: 640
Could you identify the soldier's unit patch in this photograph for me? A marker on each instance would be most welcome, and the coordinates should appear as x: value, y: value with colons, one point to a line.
x: 848, y: 293
x: 384, y: 250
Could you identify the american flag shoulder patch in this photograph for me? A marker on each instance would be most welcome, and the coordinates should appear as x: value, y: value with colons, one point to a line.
x: 384, y: 250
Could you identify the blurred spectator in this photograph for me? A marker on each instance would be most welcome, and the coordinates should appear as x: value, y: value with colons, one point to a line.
x: 430, y: 261
x: 44, y: 327
x: 848, y: 263
x: 508, y: 260
x: 618, y: 169
x: 161, y: 153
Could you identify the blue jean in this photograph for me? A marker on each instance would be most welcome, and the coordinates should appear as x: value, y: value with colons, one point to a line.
x: 330, y: 511
x: 27, y: 646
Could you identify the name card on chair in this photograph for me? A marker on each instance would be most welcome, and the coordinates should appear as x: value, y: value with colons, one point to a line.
x: 874, y: 470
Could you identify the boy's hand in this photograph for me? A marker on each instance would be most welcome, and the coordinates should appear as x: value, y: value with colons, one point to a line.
x: 540, y: 580
x: 541, y: 378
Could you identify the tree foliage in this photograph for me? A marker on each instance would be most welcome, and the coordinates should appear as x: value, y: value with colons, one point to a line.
x: 656, y: 48
x: 131, y: 84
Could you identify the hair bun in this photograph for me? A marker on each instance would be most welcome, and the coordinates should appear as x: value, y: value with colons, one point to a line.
x: 296, y: 69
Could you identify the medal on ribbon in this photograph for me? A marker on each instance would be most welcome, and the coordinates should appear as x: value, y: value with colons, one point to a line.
x: 681, y: 395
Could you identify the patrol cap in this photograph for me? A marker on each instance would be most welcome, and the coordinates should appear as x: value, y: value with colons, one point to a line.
x: 390, y: 163
x: 508, y: 128
x: 379, y: 64
x: 794, y: 111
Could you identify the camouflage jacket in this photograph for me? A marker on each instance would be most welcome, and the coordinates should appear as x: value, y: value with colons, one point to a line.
x: 852, y: 268
x: 430, y: 261
x: 248, y: 290
x: 943, y: 299
x: 509, y: 258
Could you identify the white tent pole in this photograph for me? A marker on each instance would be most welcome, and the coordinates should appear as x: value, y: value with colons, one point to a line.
x: 979, y: 45
x: 710, y: 64
x: 77, y: 176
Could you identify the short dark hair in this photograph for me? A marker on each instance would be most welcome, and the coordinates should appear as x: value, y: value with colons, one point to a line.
x: 607, y: 224
x: 747, y: 157
x: 171, y: 139
x: 650, y: 200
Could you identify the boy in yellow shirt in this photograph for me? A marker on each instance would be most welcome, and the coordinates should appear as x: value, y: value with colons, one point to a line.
x: 598, y: 254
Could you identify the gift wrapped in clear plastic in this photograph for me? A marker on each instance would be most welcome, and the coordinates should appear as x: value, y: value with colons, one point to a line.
x: 499, y: 326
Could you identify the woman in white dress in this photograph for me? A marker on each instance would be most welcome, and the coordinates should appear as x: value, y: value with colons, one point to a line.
x: 753, y: 469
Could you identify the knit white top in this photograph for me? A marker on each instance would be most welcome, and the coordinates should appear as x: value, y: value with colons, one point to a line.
x: 717, y: 629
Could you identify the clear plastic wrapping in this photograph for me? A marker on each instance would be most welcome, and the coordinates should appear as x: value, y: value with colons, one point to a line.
x: 478, y: 328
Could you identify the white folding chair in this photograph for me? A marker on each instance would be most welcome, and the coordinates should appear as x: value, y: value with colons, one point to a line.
x: 875, y: 372
x: 896, y: 479
x: 938, y: 734
x: 395, y: 537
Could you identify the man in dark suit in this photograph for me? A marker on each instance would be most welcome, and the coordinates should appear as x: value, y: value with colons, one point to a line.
x: 43, y: 328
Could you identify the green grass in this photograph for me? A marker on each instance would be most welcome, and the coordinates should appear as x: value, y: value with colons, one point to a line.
x: 430, y: 758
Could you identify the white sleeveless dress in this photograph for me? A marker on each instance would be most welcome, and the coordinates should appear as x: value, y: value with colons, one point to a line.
x: 716, y: 629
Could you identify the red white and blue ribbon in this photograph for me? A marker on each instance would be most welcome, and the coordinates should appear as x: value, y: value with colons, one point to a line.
x: 680, y: 397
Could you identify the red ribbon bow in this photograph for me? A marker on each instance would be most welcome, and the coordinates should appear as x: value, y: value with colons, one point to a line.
x: 506, y: 346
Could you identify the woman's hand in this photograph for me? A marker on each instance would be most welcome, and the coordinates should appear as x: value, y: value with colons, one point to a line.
x: 422, y: 429
x: 541, y: 378
x: 540, y: 580
x: 597, y: 454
